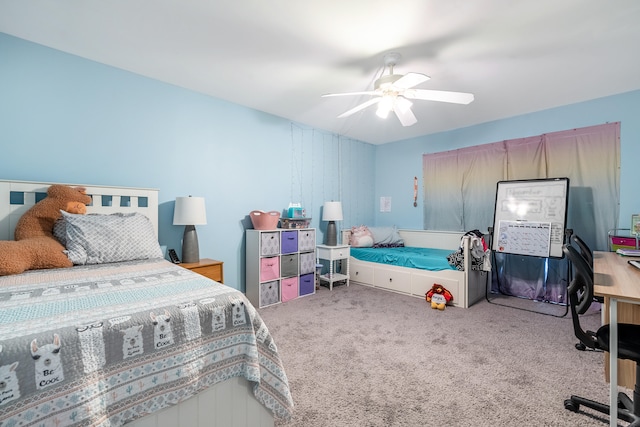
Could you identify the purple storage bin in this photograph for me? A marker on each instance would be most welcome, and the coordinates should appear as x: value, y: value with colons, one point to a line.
x: 289, y: 242
x: 307, y: 284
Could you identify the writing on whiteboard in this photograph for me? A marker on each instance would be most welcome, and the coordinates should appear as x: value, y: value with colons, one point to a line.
x: 524, y: 238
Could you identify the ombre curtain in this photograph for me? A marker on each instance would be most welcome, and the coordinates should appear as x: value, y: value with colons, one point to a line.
x: 460, y: 189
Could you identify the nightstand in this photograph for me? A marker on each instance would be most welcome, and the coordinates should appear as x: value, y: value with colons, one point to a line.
x: 333, y: 254
x: 207, y: 267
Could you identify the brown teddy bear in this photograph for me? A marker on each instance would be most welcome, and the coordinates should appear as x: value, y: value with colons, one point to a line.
x: 438, y: 296
x: 35, y: 247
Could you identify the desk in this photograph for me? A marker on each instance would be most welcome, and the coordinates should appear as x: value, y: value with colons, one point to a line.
x: 615, y: 279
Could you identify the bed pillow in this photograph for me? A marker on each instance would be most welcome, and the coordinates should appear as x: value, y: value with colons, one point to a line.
x: 98, y: 239
x: 361, y: 237
x: 60, y: 231
x: 386, y: 237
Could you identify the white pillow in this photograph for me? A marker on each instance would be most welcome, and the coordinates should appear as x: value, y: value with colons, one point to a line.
x: 386, y: 236
x: 97, y: 238
x: 361, y: 237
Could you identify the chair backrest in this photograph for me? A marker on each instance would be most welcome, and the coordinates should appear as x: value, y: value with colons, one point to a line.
x: 580, y: 292
x: 585, y: 250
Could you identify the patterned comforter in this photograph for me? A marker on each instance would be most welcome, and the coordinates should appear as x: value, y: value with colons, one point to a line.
x: 105, y: 344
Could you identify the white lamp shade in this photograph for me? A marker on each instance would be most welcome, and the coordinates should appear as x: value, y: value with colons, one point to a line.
x: 189, y: 211
x: 332, y: 211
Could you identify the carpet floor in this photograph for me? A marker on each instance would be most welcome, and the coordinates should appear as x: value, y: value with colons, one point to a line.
x: 360, y: 356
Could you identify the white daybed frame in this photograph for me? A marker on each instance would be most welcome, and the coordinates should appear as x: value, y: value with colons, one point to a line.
x: 467, y: 287
x: 229, y: 403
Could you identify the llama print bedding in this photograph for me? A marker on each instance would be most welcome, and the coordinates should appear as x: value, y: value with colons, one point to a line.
x: 105, y: 344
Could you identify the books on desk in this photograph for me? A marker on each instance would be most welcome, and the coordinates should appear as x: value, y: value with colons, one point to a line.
x: 628, y: 252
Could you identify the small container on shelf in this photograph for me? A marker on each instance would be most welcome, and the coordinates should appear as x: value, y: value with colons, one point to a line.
x: 295, y: 210
x: 264, y: 220
x: 295, y: 223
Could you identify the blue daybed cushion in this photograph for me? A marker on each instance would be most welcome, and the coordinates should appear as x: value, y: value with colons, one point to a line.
x: 412, y: 257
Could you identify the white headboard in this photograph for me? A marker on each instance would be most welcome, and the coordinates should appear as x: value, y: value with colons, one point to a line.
x: 16, y: 197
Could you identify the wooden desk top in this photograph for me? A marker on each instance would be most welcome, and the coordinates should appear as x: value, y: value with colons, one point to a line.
x: 613, y: 277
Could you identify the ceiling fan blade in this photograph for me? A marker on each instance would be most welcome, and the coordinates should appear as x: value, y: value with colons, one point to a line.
x: 406, y: 116
x: 360, y: 107
x: 439, y: 95
x: 410, y: 80
x: 368, y: 92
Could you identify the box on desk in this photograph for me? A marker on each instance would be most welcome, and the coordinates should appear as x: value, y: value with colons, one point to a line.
x: 621, y: 242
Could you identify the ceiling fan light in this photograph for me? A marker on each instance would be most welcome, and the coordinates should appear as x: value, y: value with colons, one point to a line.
x: 384, y: 107
x: 383, y: 113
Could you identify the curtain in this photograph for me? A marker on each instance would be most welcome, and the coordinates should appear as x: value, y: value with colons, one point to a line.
x: 460, y: 188
x: 443, y: 196
x: 481, y: 169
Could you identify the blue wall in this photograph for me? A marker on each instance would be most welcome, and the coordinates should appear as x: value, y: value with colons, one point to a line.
x: 407, y: 155
x: 67, y: 119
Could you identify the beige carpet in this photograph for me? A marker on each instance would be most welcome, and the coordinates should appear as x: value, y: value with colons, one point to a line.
x: 359, y: 356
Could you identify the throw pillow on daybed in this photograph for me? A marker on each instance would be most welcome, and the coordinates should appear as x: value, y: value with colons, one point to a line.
x: 361, y: 237
x: 386, y: 237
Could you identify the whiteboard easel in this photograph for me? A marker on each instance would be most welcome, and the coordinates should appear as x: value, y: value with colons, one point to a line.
x: 530, y: 217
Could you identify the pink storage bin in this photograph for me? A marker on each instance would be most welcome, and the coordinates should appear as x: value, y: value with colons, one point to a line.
x: 269, y: 268
x: 623, y: 243
x: 289, y: 289
x: 264, y: 220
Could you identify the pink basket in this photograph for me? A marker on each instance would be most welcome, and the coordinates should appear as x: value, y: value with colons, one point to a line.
x: 264, y: 220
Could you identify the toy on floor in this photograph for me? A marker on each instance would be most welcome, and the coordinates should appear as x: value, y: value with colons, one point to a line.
x: 438, y: 296
x: 34, y: 246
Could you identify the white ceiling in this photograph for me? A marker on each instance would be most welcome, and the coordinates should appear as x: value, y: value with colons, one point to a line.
x: 280, y: 56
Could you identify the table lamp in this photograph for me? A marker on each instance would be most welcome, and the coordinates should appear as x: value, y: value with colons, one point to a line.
x: 190, y: 211
x: 332, y: 212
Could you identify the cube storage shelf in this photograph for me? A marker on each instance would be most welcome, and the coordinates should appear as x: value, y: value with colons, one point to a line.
x: 280, y: 265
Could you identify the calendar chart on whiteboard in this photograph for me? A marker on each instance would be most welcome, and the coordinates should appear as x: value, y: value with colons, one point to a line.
x: 530, y: 217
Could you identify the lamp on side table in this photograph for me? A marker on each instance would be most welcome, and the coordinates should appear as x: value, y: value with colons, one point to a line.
x: 332, y: 212
x: 190, y: 211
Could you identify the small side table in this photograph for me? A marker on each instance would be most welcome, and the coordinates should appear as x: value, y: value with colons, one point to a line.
x: 210, y: 268
x: 333, y: 254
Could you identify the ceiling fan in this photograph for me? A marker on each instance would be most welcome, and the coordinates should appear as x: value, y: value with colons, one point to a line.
x: 392, y: 92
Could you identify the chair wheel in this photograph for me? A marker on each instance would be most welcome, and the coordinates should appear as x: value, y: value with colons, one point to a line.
x: 581, y: 346
x: 571, y: 405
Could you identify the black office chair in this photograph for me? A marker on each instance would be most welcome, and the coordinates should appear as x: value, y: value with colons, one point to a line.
x: 585, y: 250
x: 587, y: 254
x: 580, y: 297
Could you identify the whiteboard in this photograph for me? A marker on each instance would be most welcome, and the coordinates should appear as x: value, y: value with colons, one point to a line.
x: 530, y: 217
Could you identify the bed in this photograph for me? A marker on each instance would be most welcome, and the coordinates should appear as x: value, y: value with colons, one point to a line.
x: 140, y: 342
x: 415, y: 278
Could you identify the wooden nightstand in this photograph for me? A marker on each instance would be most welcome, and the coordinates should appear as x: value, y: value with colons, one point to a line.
x: 207, y: 267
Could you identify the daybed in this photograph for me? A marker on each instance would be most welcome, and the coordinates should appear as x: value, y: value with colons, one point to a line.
x: 140, y: 341
x: 467, y: 286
